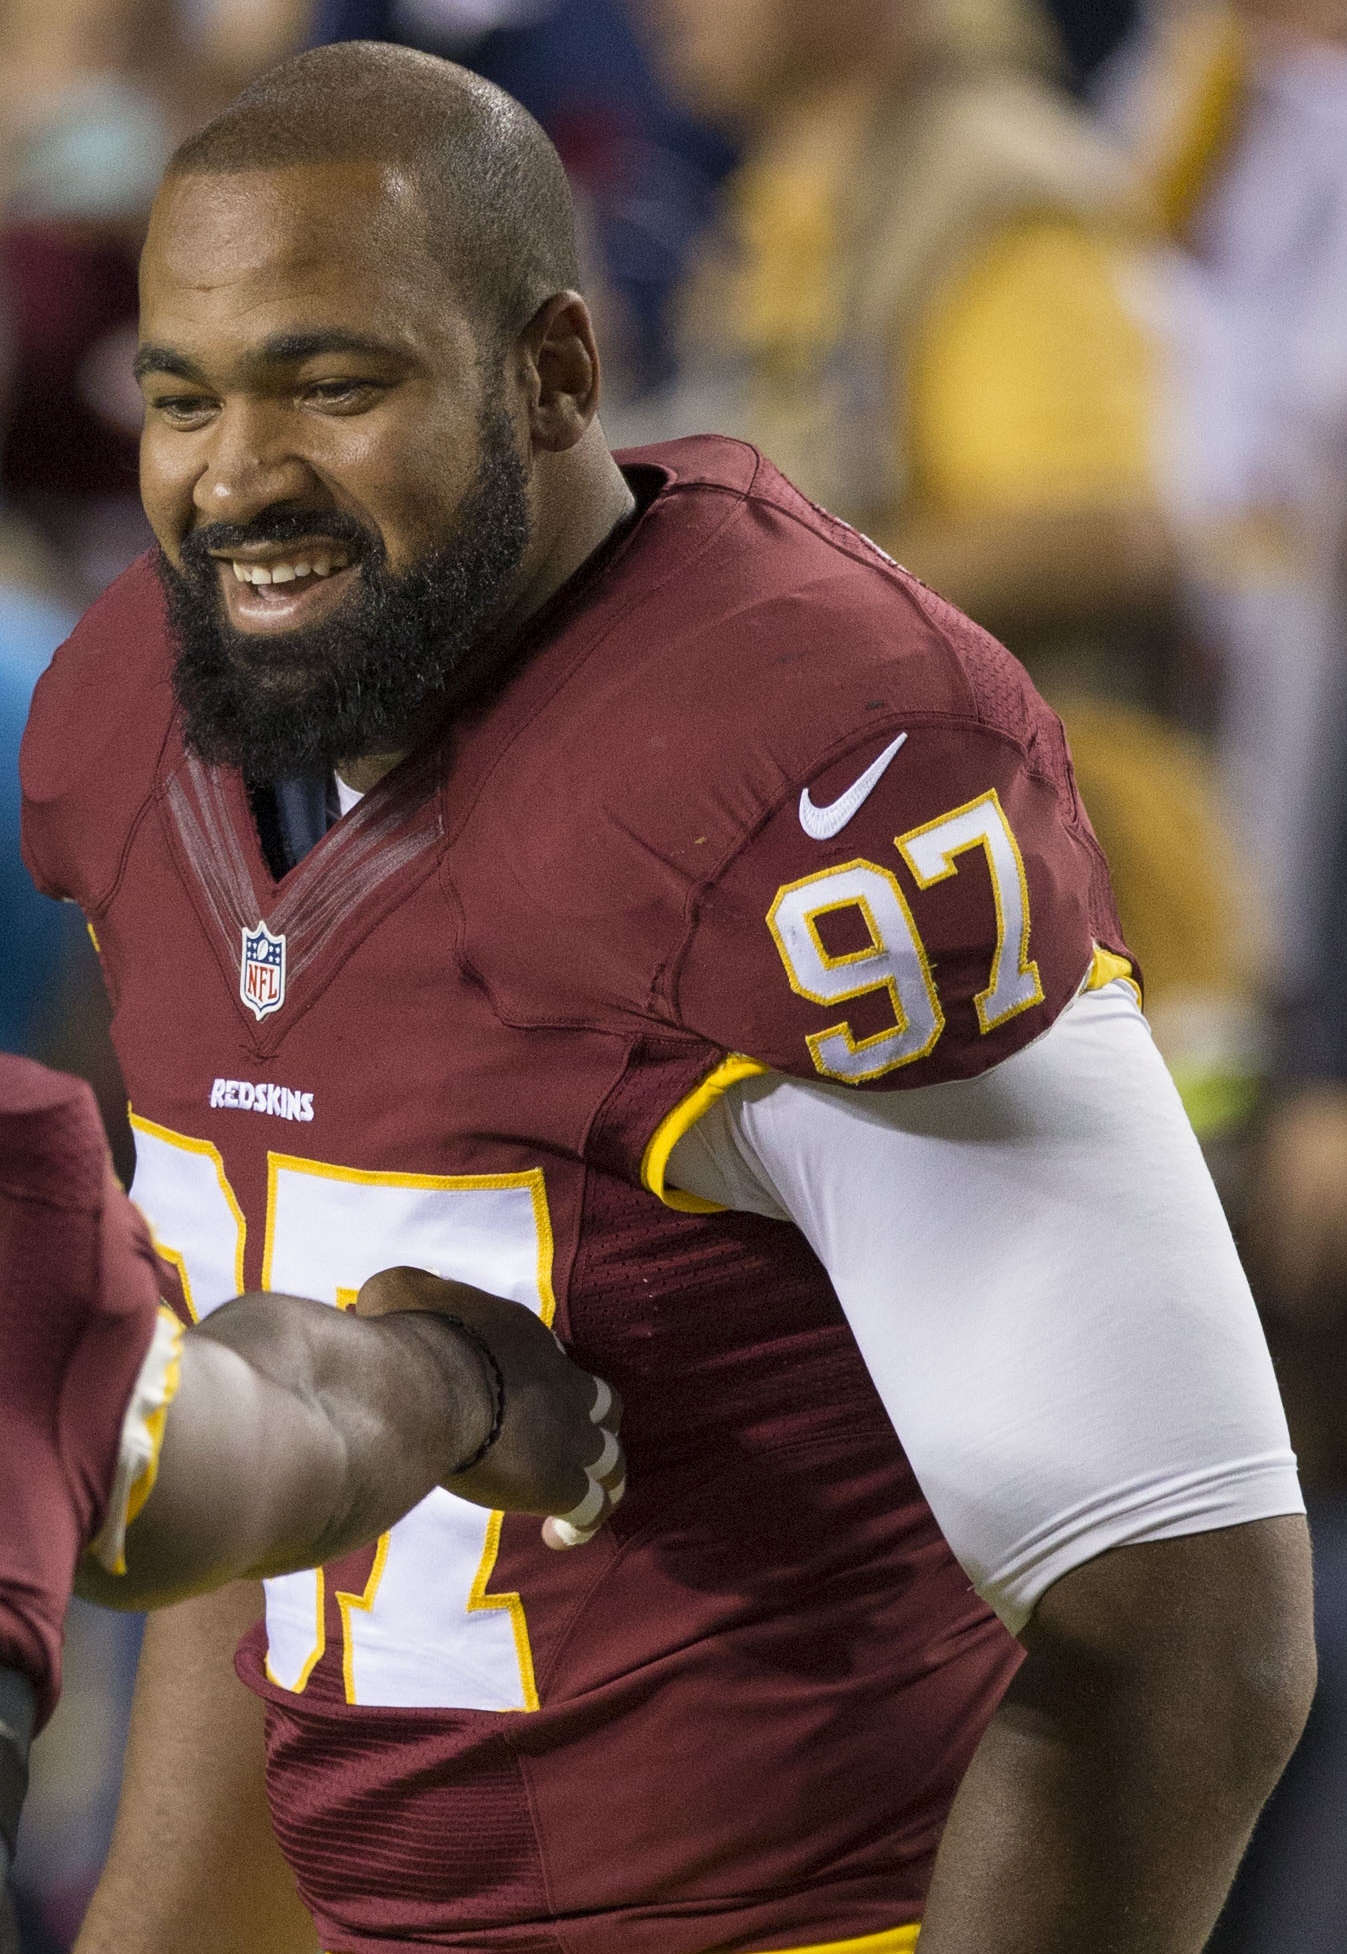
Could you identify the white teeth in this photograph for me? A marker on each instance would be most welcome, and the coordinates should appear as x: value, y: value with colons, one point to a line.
x: 318, y: 566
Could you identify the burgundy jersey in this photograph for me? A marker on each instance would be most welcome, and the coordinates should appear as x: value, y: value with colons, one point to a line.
x: 750, y: 796
x: 78, y: 1299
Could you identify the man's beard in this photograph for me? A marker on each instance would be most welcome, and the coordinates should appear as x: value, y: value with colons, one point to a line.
x: 399, y: 645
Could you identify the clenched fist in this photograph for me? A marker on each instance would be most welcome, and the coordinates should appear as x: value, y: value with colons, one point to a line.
x: 557, y: 1450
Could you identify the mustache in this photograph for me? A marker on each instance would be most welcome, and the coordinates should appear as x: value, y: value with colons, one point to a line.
x: 276, y: 526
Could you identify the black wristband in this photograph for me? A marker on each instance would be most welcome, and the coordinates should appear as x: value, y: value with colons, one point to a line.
x: 488, y: 1357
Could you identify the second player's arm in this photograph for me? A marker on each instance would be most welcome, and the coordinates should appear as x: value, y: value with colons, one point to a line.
x: 298, y: 1432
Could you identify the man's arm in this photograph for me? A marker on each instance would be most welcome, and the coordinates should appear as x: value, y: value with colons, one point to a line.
x: 1045, y: 1291
x: 295, y: 1433
x: 1114, y: 1791
x: 194, y: 1863
x: 298, y: 1432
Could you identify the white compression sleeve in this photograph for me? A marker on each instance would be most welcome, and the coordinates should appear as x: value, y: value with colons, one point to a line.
x: 1040, y: 1278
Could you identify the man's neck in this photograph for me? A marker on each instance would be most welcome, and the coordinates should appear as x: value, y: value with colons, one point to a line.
x: 582, y: 496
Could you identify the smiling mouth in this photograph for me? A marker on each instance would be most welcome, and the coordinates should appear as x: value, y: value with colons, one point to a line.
x: 285, y: 587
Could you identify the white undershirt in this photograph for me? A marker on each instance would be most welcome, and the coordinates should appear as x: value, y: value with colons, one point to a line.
x: 347, y: 797
x: 1043, y: 1285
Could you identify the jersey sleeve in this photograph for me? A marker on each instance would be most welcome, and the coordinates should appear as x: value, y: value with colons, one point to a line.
x: 922, y: 906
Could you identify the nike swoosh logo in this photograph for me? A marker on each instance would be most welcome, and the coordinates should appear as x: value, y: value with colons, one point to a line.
x: 822, y: 823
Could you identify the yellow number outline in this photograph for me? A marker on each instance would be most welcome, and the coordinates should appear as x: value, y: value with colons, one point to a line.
x: 1028, y: 969
x: 815, y: 1040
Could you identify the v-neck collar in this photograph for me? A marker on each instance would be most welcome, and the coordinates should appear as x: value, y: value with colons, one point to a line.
x: 326, y: 905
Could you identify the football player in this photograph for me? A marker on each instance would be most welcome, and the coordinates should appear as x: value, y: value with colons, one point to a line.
x: 261, y: 1440
x: 615, y: 884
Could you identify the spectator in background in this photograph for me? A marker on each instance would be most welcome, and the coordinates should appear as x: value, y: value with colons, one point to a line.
x: 1237, y: 112
x: 916, y: 306
x: 645, y: 173
x: 93, y: 96
x: 32, y: 935
x: 83, y: 137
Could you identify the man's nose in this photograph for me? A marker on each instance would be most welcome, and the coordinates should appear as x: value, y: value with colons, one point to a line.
x: 251, y: 465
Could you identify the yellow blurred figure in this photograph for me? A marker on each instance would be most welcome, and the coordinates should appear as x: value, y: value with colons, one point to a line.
x: 915, y: 306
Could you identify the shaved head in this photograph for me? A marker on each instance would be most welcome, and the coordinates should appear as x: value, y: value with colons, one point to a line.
x: 491, y: 188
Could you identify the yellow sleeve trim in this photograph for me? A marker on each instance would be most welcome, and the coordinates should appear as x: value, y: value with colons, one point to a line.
x: 674, y: 1125
x: 1106, y: 968
x: 155, y: 1423
x: 142, y: 1438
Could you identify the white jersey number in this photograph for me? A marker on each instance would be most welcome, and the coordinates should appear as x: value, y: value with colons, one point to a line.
x: 424, y: 1632
x: 895, y: 959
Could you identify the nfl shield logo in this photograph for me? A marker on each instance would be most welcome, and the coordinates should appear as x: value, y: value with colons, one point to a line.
x: 262, y: 973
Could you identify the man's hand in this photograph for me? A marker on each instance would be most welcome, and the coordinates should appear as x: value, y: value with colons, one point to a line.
x: 558, y: 1451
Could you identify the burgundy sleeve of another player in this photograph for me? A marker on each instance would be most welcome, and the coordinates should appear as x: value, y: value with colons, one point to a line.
x: 78, y: 1303
x: 920, y: 906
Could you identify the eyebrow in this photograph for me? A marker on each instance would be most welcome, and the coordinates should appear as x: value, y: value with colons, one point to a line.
x: 282, y: 349
x: 289, y: 348
x: 162, y: 359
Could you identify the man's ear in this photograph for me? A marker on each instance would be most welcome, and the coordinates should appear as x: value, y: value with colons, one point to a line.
x: 560, y: 371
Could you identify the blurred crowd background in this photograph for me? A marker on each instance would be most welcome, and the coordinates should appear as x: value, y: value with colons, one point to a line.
x: 1052, y: 302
